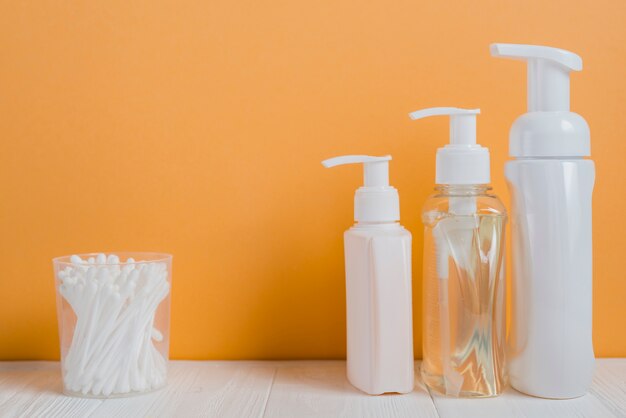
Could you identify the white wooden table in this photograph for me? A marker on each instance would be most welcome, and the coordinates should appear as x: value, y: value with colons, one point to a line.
x: 288, y: 389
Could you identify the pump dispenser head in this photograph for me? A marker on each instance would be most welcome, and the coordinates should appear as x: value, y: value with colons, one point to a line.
x: 549, y: 129
x: 376, y: 201
x: 548, y: 73
x: 462, y: 161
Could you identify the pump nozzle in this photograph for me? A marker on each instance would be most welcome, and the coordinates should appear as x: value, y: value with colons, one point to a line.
x: 376, y: 201
x: 462, y: 161
x: 462, y: 122
x: 549, y: 129
x: 375, y: 169
x: 548, y: 73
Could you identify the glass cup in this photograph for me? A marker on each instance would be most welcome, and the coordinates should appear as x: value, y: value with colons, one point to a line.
x: 114, y: 314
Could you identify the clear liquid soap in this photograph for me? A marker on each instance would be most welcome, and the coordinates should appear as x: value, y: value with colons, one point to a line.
x: 464, y: 292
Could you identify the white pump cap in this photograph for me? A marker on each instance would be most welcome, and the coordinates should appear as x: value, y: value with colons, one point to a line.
x: 549, y: 129
x: 462, y: 161
x: 376, y: 201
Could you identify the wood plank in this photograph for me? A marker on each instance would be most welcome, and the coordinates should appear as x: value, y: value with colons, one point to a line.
x: 287, y: 389
x: 609, y: 384
x: 15, y: 375
x: 36, y: 391
x: 605, y: 400
x: 201, y: 389
x: 321, y: 389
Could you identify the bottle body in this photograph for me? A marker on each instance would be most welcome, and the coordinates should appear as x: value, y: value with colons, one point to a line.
x: 464, y: 292
x: 550, y: 343
x: 379, y: 308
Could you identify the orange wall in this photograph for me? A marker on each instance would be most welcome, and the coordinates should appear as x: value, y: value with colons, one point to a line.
x: 198, y: 127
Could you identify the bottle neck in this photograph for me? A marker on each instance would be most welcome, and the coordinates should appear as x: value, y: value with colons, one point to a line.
x: 376, y: 225
x: 462, y: 189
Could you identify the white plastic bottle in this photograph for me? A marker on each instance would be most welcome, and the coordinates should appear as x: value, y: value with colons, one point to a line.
x: 378, y: 285
x: 550, y: 345
x: 463, y: 280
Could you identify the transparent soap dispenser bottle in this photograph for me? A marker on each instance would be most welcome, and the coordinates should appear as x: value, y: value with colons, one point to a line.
x: 464, y: 270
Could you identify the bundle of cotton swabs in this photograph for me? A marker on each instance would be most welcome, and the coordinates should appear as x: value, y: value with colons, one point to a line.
x: 115, y: 304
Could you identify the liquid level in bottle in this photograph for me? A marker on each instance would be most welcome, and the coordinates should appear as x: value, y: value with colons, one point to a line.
x: 464, y: 305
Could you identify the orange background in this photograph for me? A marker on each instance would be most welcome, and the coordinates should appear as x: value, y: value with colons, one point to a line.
x: 198, y: 127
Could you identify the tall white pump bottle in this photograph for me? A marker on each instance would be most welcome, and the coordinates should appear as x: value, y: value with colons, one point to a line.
x: 550, y: 346
x: 378, y: 284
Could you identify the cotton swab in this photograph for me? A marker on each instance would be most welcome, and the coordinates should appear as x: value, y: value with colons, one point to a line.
x: 112, y: 349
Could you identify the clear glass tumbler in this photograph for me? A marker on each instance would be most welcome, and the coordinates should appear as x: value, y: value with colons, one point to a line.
x: 114, y: 314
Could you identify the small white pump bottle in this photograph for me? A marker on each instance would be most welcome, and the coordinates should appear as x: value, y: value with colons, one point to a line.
x: 378, y: 284
x: 463, y: 280
x: 550, y: 346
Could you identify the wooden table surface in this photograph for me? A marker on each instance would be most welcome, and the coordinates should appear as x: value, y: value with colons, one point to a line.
x: 288, y: 389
